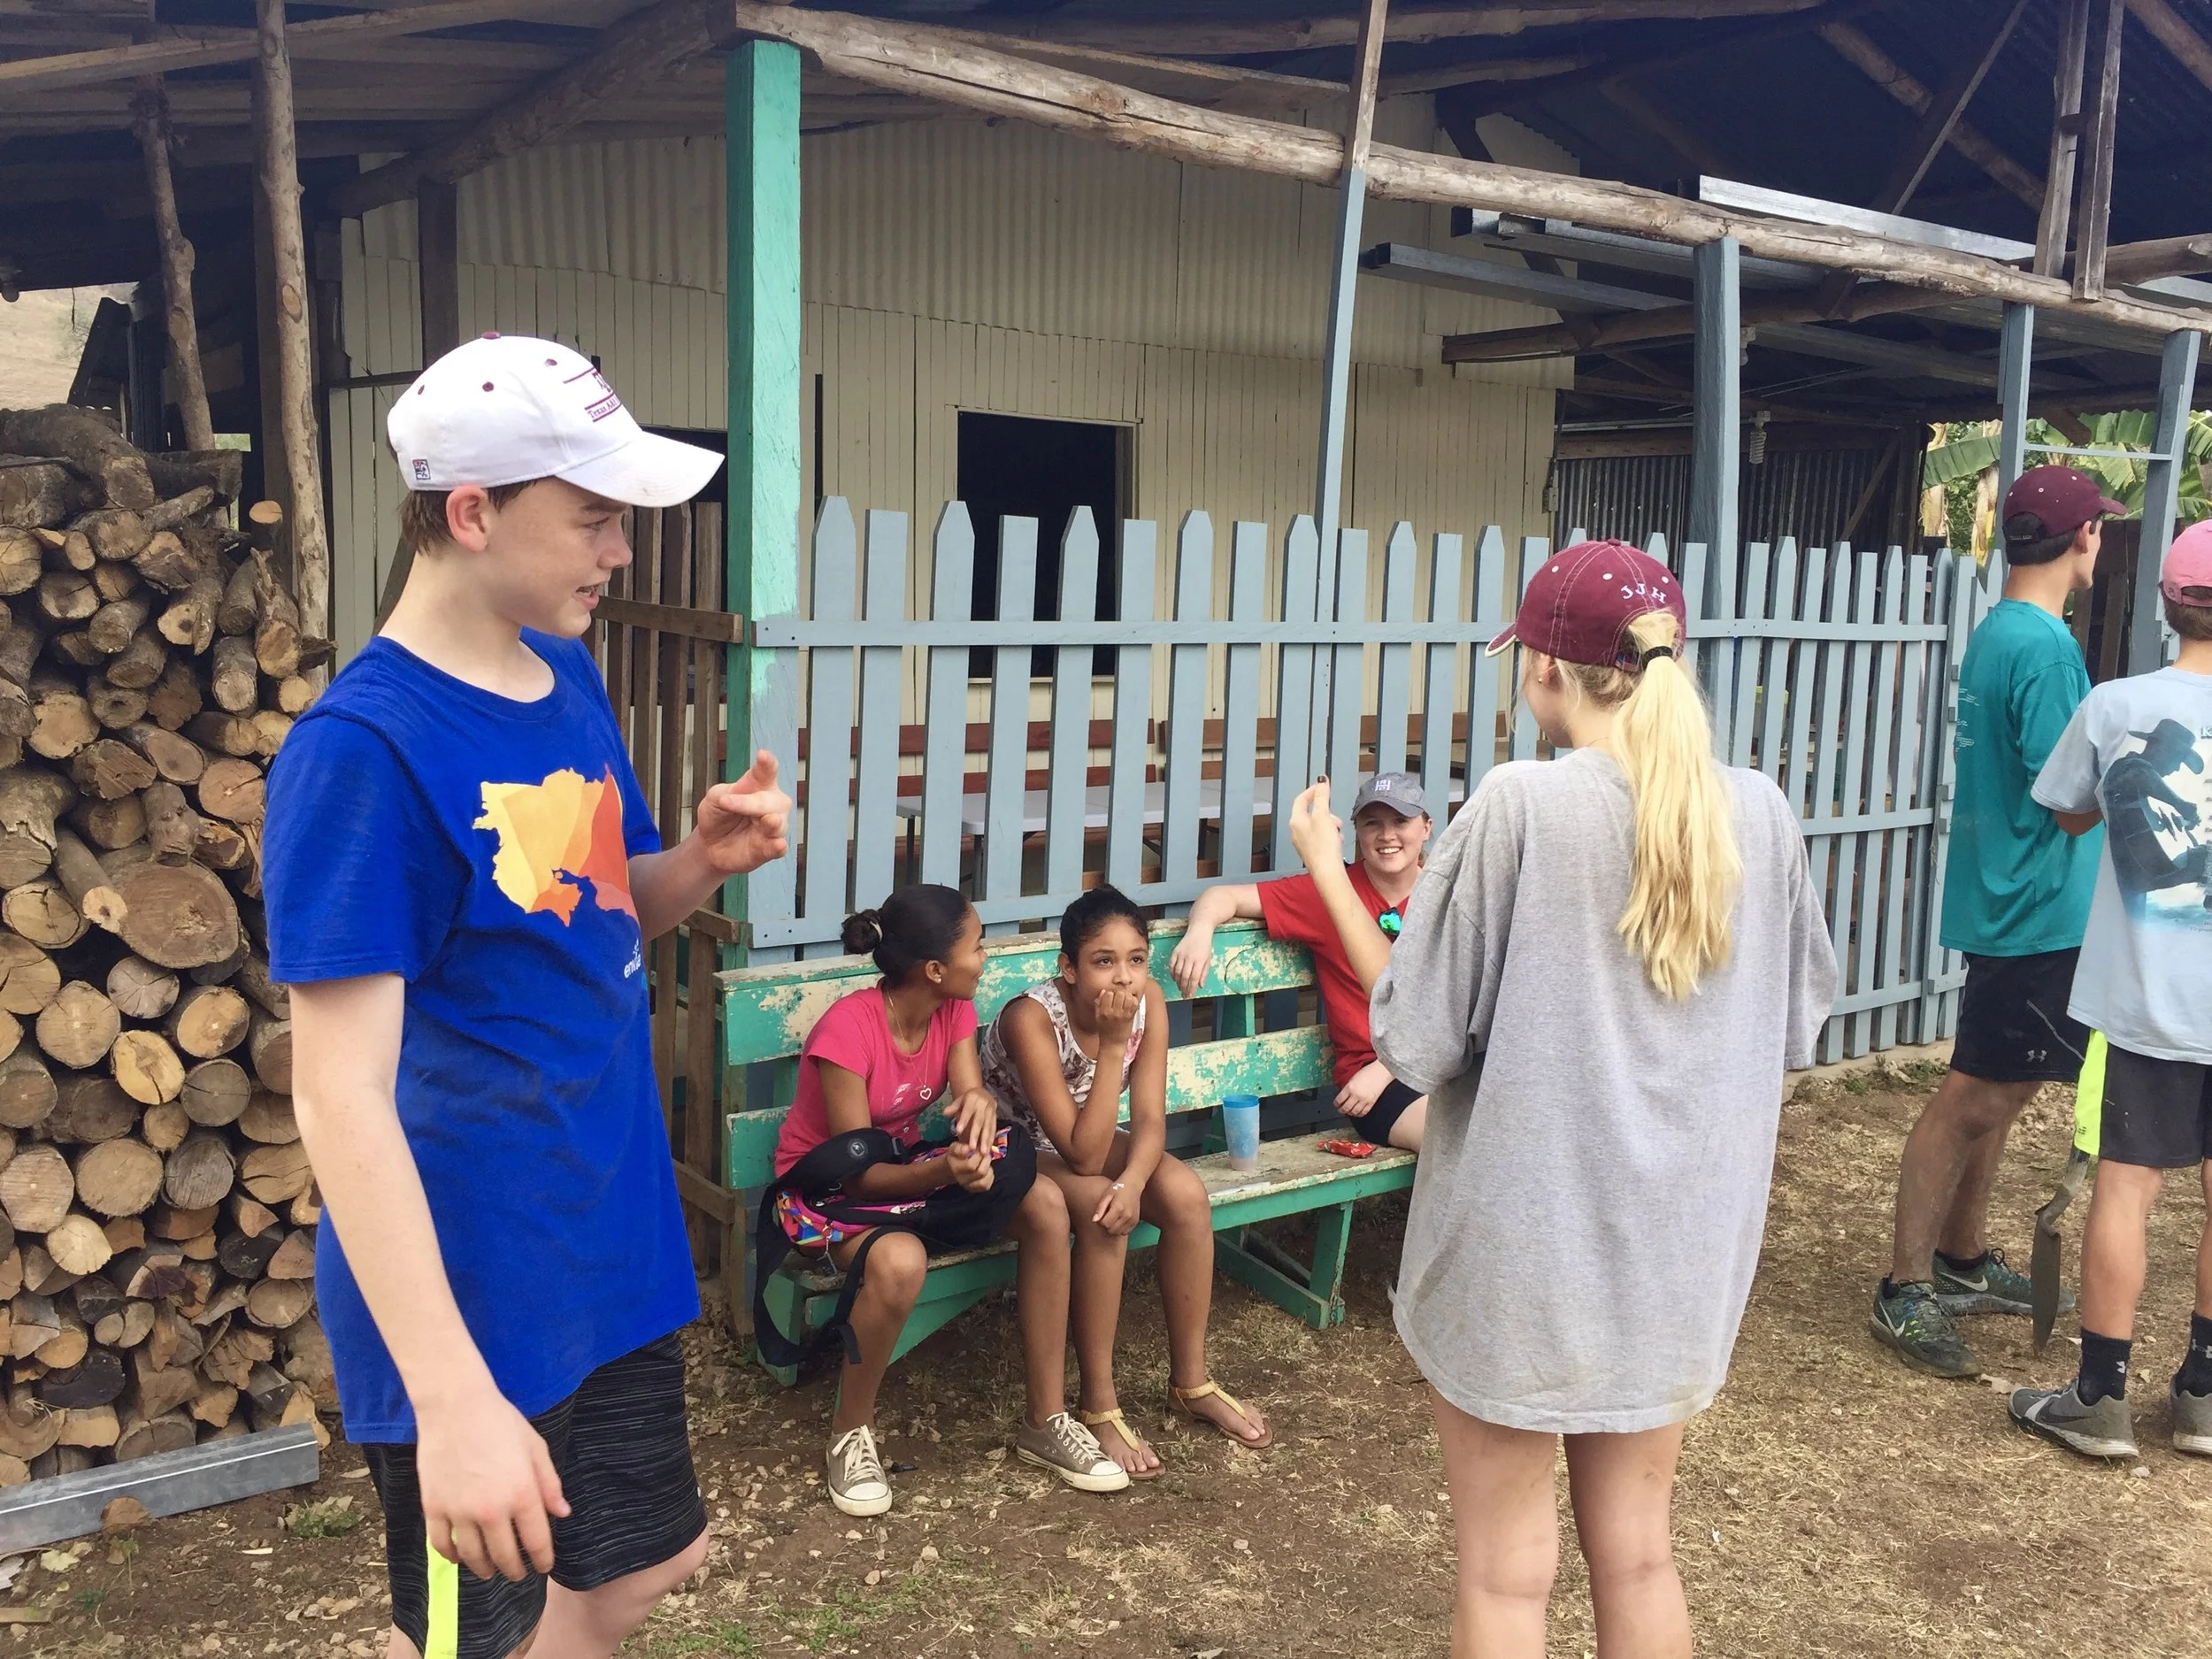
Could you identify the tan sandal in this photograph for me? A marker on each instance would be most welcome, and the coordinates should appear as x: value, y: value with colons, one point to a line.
x: 1130, y: 1438
x: 1180, y: 1399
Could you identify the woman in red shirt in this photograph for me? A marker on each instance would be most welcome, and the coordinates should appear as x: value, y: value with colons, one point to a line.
x: 1391, y: 816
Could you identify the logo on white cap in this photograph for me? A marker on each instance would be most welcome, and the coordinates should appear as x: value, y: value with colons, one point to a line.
x: 506, y: 409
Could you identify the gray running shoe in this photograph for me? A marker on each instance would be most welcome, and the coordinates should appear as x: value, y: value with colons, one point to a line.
x: 2192, y: 1422
x: 1071, y: 1452
x: 1911, y: 1320
x: 857, y: 1485
x: 2104, y: 1429
x: 1995, y: 1286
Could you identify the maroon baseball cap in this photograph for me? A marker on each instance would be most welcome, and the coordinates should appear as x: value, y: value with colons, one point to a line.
x: 2059, y: 499
x: 1578, y: 606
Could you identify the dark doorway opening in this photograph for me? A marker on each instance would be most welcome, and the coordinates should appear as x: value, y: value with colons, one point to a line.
x: 1016, y: 467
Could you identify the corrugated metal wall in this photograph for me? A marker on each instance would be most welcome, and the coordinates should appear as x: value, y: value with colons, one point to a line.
x: 1809, y: 494
x: 953, y: 265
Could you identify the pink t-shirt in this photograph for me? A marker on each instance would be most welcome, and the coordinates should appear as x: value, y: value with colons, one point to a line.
x: 855, y: 1034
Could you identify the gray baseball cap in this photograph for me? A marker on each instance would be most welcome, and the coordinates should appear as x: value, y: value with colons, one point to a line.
x: 1400, y: 791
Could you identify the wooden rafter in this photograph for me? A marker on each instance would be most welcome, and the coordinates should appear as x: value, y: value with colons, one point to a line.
x: 639, y: 49
x: 1227, y: 38
x: 1940, y: 119
x: 185, y: 48
x: 1672, y: 322
x: 2169, y: 256
x: 2173, y: 32
x: 2094, y: 222
x: 2055, y: 210
x: 915, y: 59
x: 1853, y: 46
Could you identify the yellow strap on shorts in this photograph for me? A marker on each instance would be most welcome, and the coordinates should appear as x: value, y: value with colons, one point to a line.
x: 442, y: 1635
x: 2089, y: 1097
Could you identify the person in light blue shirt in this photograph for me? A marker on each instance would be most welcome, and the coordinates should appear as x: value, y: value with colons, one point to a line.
x: 2138, y: 757
x: 2015, y: 898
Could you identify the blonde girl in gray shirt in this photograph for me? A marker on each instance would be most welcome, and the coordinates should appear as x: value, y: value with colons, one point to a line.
x: 1608, y: 964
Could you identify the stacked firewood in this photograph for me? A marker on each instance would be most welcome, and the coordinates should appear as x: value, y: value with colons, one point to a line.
x: 157, y: 1212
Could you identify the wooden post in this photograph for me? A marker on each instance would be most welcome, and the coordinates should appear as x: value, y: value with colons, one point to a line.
x: 2058, y: 177
x: 298, y: 431
x: 438, y: 266
x: 2093, y: 228
x: 2016, y: 363
x: 1336, y: 369
x: 1717, y: 438
x: 2162, y: 482
x: 762, y: 136
x: 149, y: 119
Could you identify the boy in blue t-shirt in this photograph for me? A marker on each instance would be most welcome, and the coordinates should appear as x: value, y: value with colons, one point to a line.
x: 461, y: 873
x: 2015, y: 898
x: 2138, y: 757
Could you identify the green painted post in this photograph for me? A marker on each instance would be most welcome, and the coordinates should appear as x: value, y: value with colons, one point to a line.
x: 761, y: 138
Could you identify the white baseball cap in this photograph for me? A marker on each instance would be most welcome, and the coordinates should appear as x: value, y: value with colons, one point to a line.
x: 505, y: 409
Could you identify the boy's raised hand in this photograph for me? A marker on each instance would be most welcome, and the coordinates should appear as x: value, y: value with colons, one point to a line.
x: 744, y: 824
x: 488, y: 1485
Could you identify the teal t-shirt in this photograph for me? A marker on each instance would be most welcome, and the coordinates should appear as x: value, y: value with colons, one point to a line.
x: 2015, y: 884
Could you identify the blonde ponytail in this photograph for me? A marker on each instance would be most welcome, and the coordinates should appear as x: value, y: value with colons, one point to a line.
x: 1688, y: 867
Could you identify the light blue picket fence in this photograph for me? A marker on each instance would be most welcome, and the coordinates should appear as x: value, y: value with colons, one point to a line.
x: 1830, y: 669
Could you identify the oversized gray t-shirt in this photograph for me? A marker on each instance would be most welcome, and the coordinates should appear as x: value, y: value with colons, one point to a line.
x: 2139, y: 751
x: 1593, y: 1183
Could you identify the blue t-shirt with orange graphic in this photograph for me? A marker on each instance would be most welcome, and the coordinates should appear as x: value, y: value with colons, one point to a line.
x: 479, y: 848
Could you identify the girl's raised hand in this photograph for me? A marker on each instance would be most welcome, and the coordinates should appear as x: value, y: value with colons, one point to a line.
x: 1316, y: 831
x: 1117, y: 1012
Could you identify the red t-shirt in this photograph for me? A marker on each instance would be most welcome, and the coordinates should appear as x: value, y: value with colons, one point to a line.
x: 1294, y: 912
x: 855, y: 1034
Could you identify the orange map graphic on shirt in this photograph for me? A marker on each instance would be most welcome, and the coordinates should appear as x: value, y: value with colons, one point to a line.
x: 553, y: 836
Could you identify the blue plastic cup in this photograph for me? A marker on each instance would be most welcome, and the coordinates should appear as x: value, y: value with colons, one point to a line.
x: 1241, y: 1124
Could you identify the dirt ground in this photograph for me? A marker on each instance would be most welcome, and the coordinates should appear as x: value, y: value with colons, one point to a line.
x: 1831, y: 1503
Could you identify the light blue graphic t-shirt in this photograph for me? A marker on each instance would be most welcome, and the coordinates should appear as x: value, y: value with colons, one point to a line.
x: 2140, y: 751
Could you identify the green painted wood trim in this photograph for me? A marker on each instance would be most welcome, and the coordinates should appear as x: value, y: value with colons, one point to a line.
x: 1263, y: 1279
x: 770, y: 1008
x: 761, y: 127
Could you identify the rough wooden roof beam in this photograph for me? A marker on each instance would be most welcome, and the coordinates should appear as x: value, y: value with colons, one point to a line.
x: 641, y: 48
x: 2173, y: 32
x: 189, y: 48
x: 1853, y: 46
x: 913, y: 58
x: 1227, y: 37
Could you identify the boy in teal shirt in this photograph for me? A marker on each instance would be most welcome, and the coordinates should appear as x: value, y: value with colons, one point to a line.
x: 2015, y: 900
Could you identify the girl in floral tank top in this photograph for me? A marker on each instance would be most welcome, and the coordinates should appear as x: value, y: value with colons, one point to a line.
x: 1096, y: 1030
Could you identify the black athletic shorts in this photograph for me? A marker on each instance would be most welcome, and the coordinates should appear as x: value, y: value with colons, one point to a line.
x: 623, y: 1450
x: 2157, y: 1113
x: 1389, y: 1106
x: 2013, y: 1023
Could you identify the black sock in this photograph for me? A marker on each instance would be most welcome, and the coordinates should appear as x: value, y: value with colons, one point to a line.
x: 2104, y: 1367
x: 2196, y: 1370
x: 1963, y: 1264
x: 1890, y: 1287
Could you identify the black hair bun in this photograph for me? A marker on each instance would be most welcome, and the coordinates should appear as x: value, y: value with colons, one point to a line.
x: 862, y: 932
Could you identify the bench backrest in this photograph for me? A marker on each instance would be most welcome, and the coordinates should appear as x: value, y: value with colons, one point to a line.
x: 768, y: 1011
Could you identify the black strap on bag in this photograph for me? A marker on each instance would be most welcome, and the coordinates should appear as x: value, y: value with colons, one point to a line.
x: 948, y: 1218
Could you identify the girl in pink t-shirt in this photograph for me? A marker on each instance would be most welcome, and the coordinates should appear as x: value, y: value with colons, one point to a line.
x: 878, y: 1059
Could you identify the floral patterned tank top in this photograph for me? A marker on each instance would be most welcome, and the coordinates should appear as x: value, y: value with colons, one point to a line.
x: 1080, y: 1070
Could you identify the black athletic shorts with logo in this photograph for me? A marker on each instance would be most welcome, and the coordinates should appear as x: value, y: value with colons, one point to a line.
x: 622, y: 1450
x: 2013, y: 1023
x: 2157, y: 1113
x: 1383, y: 1115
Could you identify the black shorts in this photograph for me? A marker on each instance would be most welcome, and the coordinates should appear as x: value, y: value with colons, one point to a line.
x: 1389, y: 1106
x: 2157, y: 1113
x: 2013, y: 1023
x: 623, y: 1450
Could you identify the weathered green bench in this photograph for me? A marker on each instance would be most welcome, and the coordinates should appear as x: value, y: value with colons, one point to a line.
x: 768, y: 1011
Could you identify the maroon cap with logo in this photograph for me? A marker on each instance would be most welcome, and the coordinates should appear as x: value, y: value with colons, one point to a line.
x: 2059, y: 499
x: 1578, y: 606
